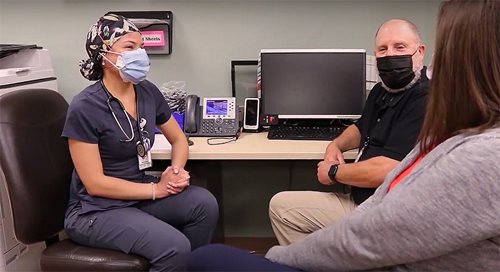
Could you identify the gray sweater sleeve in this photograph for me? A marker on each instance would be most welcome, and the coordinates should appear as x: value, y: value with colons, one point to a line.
x: 446, y: 204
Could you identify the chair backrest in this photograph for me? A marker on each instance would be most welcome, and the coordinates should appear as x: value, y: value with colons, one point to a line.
x: 35, y: 160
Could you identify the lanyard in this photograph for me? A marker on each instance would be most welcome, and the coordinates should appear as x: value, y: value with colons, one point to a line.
x: 365, y: 145
x: 387, y: 100
x: 111, y: 98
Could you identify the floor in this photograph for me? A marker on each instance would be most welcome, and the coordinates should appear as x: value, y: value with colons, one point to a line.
x: 258, y: 246
x: 29, y: 261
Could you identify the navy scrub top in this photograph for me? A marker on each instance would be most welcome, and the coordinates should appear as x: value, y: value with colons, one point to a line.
x: 89, y: 120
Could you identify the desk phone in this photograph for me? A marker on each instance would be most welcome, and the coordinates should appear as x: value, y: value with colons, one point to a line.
x: 215, y: 117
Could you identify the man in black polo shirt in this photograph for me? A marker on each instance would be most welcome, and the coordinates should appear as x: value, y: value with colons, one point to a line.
x: 385, y: 133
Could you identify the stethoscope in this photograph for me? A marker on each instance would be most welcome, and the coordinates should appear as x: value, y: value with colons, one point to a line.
x: 141, y: 150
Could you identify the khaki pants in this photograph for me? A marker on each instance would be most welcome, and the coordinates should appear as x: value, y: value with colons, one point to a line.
x: 295, y: 214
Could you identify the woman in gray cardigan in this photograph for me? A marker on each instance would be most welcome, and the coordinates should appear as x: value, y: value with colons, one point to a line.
x: 439, y: 210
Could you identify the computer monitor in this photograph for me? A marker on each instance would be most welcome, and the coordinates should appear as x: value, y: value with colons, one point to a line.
x: 312, y: 84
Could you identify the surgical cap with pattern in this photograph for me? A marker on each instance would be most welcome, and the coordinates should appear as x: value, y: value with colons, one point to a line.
x: 100, y: 38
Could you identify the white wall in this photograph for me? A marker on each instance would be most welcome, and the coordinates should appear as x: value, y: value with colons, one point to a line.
x: 209, y: 34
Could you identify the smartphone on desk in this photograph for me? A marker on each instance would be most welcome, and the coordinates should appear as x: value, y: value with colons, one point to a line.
x: 251, y: 115
x: 215, y: 117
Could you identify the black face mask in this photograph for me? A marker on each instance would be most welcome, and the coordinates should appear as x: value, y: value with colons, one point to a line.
x: 396, y: 71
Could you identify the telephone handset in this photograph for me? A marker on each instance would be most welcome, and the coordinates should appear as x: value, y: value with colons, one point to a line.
x: 216, y: 117
x: 191, y: 113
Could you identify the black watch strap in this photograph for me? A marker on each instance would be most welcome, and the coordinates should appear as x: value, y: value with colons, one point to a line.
x: 333, y: 172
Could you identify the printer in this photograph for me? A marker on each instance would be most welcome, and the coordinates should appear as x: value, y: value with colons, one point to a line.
x: 21, y: 67
x: 25, y: 67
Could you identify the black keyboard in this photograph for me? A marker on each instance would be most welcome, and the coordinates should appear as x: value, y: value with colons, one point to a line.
x: 322, y: 133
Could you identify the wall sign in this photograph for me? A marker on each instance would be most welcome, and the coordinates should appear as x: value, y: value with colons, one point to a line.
x: 155, y: 27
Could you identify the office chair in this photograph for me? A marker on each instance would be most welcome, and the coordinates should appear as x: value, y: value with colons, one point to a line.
x: 37, y: 166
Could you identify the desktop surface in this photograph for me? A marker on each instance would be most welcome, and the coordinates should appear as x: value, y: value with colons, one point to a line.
x: 249, y: 146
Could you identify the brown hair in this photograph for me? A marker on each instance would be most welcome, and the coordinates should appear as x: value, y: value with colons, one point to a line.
x: 464, y: 94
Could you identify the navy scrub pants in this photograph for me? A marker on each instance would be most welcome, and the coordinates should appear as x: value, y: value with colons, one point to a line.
x: 217, y: 257
x: 163, y: 231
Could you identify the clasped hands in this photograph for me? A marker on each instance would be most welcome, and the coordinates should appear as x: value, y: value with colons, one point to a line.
x: 173, y: 181
x: 333, y: 155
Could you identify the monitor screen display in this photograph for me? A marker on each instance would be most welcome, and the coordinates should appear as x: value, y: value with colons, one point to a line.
x: 313, y: 84
x: 216, y: 107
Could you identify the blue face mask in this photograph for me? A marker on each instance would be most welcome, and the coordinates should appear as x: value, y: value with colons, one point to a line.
x: 133, y: 65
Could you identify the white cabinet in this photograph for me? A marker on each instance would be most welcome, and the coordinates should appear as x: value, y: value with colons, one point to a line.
x: 10, y: 248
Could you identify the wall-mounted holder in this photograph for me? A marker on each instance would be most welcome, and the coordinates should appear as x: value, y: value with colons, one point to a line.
x: 156, y: 29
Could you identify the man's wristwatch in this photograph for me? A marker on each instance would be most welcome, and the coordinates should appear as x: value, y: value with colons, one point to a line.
x: 333, y: 172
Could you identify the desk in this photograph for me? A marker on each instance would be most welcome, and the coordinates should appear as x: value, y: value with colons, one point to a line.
x: 205, y: 161
x: 250, y: 146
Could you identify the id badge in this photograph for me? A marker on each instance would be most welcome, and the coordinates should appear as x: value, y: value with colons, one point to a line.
x: 145, y: 161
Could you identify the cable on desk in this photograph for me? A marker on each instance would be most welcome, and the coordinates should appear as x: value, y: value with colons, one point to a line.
x: 224, y: 140
x: 190, y: 143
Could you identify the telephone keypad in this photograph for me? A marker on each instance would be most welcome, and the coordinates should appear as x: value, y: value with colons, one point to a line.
x: 219, y: 126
